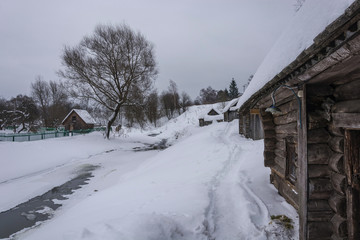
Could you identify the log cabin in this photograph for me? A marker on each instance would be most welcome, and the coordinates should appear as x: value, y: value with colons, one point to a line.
x: 78, y: 119
x: 210, y: 115
x: 309, y: 105
x: 230, y: 110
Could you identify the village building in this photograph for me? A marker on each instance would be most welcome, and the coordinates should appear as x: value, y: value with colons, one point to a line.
x: 230, y: 111
x: 211, y: 115
x: 78, y: 119
x: 307, y: 96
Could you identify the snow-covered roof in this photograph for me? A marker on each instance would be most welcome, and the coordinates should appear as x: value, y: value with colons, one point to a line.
x: 312, y: 18
x: 85, y: 116
x: 231, y: 105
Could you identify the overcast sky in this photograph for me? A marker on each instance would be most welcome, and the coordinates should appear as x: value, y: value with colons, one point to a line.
x: 198, y: 43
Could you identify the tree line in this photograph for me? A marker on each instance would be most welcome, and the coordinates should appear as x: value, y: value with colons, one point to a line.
x: 109, y: 73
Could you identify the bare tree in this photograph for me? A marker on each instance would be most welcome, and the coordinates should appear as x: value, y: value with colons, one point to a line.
x: 40, y: 92
x: 185, y: 101
x: 108, y: 65
x: 152, y: 107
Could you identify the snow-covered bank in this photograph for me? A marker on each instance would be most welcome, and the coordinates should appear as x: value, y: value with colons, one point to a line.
x: 209, y: 184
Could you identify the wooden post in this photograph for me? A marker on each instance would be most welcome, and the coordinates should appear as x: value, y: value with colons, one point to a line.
x: 303, y: 170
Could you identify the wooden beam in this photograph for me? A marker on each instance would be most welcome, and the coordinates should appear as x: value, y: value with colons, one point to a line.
x: 346, y: 120
x: 303, y: 169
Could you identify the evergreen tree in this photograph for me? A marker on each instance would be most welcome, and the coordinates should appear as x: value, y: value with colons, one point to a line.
x: 233, y: 90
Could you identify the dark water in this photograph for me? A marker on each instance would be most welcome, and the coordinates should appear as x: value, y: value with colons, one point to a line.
x: 28, y: 213
x: 156, y: 146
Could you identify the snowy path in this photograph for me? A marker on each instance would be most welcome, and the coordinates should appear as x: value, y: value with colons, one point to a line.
x: 210, y: 184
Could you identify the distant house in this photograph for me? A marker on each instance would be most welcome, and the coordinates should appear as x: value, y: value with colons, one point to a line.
x: 230, y: 111
x: 308, y: 100
x: 211, y: 115
x: 78, y: 119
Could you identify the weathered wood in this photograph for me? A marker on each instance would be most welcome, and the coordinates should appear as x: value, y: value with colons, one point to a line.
x: 320, y: 216
x: 319, y: 188
x: 336, y: 131
x: 287, y: 107
x: 280, y: 153
x: 353, y: 213
x: 281, y: 161
x: 320, y: 90
x: 318, y: 205
x: 318, y: 171
x: 287, y: 118
x: 336, y: 237
x: 346, y: 120
x: 280, y: 94
x: 268, y: 125
x: 269, y: 144
x: 337, y: 144
x: 269, y: 155
x: 316, y: 120
x: 319, y: 230
x: 318, y: 136
x: 290, y: 128
x: 269, y: 134
x: 303, y: 169
x: 348, y: 91
x: 350, y: 106
x: 336, y: 163
x: 339, y: 225
x: 281, y: 145
x: 318, y: 153
x: 337, y: 203
x: 338, y: 182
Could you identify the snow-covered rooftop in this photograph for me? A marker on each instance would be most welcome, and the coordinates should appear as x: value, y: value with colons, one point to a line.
x: 231, y: 104
x: 85, y: 115
x: 312, y: 18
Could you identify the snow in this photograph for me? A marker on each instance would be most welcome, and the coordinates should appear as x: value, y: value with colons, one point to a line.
x: 230, y: 105
x: 312, y: 18
x: 210, y: 183
x: 85, y: 115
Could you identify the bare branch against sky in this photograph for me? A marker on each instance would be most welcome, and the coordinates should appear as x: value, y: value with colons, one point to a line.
x: 197, y: 42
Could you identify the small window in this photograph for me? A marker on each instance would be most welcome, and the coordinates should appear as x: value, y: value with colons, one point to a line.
x: 73, y: 119
x: 291, y: 160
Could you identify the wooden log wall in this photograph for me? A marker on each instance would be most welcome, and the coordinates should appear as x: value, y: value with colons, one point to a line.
x: 327, y: 182
x: 345, y: 114
x: 322, y: 161
x: 278, y: 131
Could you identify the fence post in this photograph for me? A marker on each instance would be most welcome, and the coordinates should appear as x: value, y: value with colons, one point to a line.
x: 13, y: 138
x: 29, y: 137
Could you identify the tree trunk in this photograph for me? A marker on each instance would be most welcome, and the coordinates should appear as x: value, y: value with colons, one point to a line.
x: 112, y: 120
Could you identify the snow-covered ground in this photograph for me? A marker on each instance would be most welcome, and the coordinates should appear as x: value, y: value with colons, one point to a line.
x: 210, y: 183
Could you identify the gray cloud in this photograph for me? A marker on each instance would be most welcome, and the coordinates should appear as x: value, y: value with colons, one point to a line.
x: 198, y: 42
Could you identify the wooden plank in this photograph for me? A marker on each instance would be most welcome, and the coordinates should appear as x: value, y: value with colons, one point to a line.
x: 318, y: 153
x: 336, y: 163
x: 350, y: 106
x: 290, y: 117
x: 348, y: 91
x: 318, y: 205
x: 320, y: 216
x: 319, y: 230
x: 320, y: 188
x: 337, y: 144
x: 318, y: 171
x: 289, y: 129
x: 303, y: 169
x: 346, y: 120
x: 337, y: 203
x: 339, y: 225
x: 338, y: 182
x: 319, y: 135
